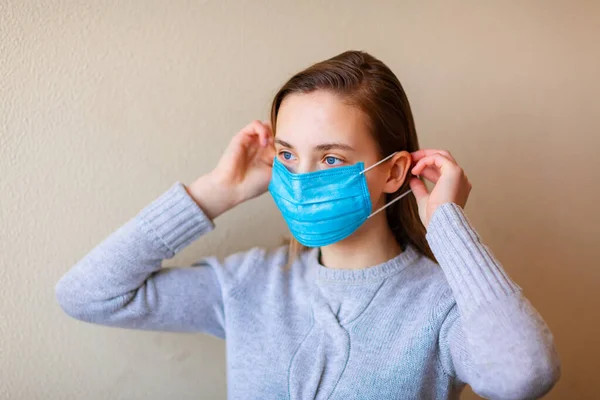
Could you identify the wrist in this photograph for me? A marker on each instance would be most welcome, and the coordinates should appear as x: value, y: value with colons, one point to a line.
x: 213, y: 195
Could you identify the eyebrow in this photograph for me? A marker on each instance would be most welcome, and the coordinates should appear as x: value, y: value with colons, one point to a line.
x: 333, y: 146
x: 284, y: 144
x: 320, y: 147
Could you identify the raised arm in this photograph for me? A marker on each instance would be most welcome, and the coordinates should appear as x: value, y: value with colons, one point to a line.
x: 494, y: 338
x: 121, y: 281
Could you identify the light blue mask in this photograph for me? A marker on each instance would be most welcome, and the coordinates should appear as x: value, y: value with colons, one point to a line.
x: 324, y: 207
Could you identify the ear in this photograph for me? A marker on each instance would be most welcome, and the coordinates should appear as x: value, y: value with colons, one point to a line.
x: 399, y: 168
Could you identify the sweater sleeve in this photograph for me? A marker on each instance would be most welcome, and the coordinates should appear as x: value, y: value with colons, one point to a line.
x: 121, y: 281
x: 497, y: 342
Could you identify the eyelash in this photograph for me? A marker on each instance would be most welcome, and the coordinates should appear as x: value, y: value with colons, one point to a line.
x: 335, y: 158
x: 337, y: 161
x: 281, y: 153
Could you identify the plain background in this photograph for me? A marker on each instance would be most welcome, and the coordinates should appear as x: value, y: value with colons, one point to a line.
x: 105, y: 104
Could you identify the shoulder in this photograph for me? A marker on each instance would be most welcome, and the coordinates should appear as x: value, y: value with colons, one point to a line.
x: 238, y: 268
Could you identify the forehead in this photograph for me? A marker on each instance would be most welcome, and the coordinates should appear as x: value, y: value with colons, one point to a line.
x: 320, y: 116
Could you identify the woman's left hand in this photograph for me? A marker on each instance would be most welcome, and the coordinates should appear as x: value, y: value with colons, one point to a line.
x: 451, y: 183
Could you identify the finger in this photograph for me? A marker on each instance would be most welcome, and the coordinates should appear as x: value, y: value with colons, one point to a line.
x: 268, y: 155
x: 268, y: 124
x: 435, y: 160
x: 419, y: 154
x: 269, y: 127
x: 263, y: 133
x: 419, y: 190
x: 246, y: 139
x: 254, y: 130
x: 432, y: 174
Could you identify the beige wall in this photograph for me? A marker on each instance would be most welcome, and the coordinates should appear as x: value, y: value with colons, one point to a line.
x: 104, y: 104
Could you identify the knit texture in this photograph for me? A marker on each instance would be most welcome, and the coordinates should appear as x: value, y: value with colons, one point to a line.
x: 404, y: 329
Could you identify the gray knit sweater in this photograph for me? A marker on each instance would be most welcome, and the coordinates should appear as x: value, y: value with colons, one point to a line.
x: 404, y: 329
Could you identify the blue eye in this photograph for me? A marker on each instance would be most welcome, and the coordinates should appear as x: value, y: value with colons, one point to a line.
x: 332, y: 160
x: 286, y: 155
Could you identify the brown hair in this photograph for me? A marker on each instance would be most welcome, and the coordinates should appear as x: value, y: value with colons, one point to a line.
x: 363, y: 81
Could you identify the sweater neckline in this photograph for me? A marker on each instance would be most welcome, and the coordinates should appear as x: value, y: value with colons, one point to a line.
x: 380, y: 271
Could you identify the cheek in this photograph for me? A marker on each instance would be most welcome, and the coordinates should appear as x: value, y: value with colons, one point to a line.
x: 376, y: 182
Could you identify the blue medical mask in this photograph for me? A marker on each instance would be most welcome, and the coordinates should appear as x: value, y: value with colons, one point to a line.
x: 324, y: 207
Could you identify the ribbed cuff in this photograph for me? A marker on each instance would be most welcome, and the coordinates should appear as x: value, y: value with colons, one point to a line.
x: 472, y: 271
x: 175, y: 219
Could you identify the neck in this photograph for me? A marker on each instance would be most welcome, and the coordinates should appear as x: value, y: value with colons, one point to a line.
x: 372, y: 244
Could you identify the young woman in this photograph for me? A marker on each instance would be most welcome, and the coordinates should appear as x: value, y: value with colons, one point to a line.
x: 386, y: 291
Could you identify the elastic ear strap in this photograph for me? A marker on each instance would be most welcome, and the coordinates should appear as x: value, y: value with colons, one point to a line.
x: 391, y: 202
x: 379, y: 162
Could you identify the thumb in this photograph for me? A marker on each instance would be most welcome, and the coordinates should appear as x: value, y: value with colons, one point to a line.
x: 269, y: 154
x: 419, y: 190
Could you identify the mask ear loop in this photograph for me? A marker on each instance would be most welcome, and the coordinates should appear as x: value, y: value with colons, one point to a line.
x: 378, y: 162
x: 390, y: 203
x: 397, y: 198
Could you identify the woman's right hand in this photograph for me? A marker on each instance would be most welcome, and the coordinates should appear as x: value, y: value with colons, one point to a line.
x: 242, y: 173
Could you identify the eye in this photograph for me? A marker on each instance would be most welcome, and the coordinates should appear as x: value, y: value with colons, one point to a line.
x: 286, y: 155
x: 332, y: 161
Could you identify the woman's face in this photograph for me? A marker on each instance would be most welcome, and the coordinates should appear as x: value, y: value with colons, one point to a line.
x: 317, y: 131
